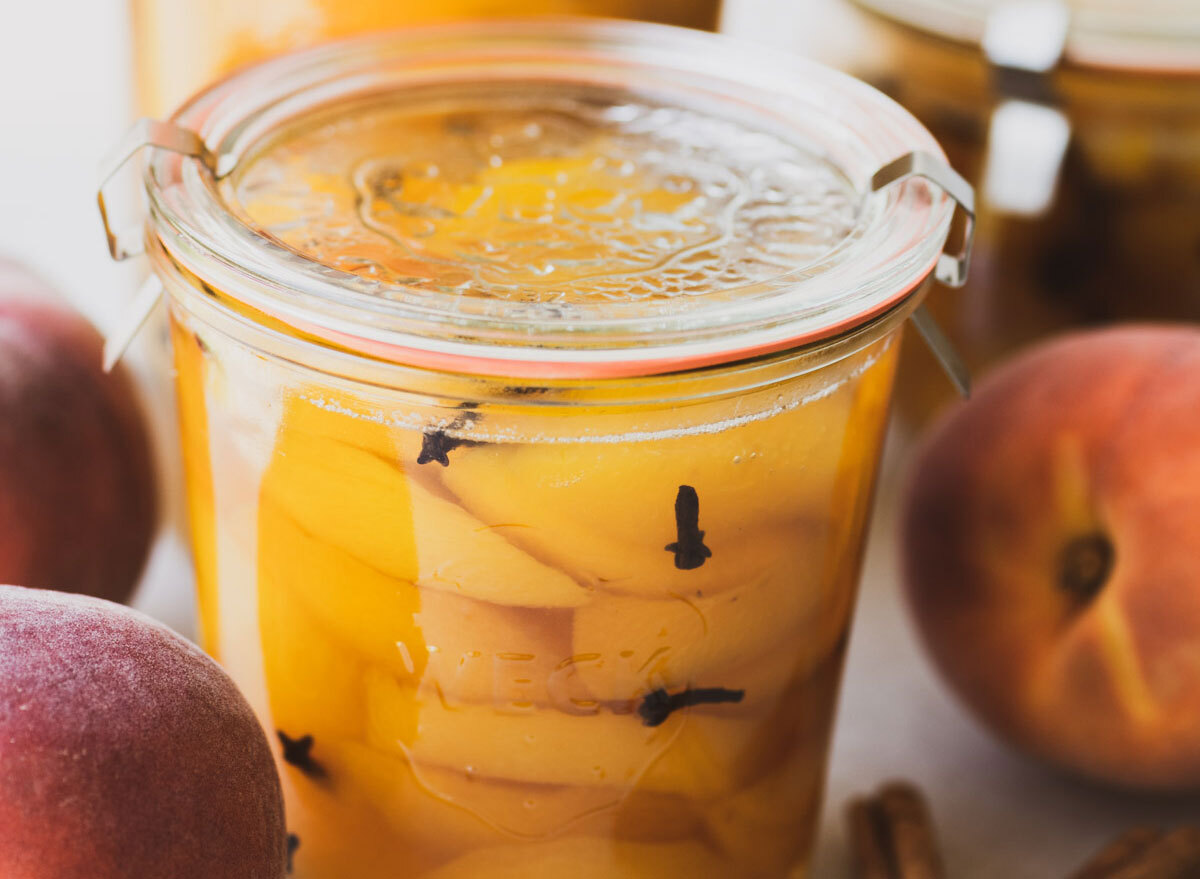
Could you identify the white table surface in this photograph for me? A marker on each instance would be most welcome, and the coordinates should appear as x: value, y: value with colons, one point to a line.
x: 64, y: 99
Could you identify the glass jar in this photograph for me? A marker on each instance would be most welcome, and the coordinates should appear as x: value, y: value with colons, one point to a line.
x: 181, y: 46
x: 533, y: 380
x: 1079, y: 122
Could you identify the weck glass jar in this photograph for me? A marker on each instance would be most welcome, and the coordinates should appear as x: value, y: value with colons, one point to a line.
x: 181, y: 46
x: 1079, y: 122
x: 533, y: 380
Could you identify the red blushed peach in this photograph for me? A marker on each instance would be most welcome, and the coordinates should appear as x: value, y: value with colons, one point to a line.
x: 1052, y: 553
x: 77, y: 489
x: 125, y: 751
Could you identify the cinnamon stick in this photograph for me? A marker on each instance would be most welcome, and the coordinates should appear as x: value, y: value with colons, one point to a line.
x: 869, y: 840
x: 892, y: 835
x: 1119, y: 853
x: 913, y: 844
x: 1174, y: 856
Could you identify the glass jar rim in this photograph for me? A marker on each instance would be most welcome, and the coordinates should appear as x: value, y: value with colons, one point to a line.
x: 897, y: 242
x: 1133, y: 39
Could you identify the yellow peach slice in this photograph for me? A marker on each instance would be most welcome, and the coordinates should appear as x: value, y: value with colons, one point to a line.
x: 366, y: 611
x: 450, y: 811
x: 768, y: 827
x: 339, y: 833
x: 314, y: 686
x: 626, y: 645
x: 582, y: 857
x: 605, y: 512
x: 490, y: 653
x: 765, y: 682
x: 190, y: 370
x: 362, y: 504
x: 312, y: 412
x: 316, y: 413
x: 735, y: 557
x: 414, y: 813
x: 760, y: 683
x: 689, y: 754
x: 464, y: 649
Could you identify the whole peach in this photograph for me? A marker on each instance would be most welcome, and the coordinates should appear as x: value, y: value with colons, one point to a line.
x: 1052, y: 552
x: 125, y: 751
x: 77, y: 488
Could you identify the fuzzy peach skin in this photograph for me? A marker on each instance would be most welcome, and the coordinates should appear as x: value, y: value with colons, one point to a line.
x: 1052, y: 553
x: 126, y: 752
x: 78, y: 503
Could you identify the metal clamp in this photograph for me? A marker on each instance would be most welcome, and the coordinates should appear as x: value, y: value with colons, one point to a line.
x: 951, y: 268
x: 144, y: 133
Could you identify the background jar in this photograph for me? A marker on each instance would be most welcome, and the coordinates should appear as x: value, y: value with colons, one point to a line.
x: 520, y: 585
x: 181, y: 46
x: 1089, y: 207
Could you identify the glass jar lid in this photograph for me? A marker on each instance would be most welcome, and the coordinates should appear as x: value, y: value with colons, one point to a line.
x: 554, y: 198
x: 1152, y: 36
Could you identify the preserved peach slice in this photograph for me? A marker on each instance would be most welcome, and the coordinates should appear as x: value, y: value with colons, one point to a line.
x: 360, y: 608
x: 314, y: 685
x: 735, y: 557
x: 319, y: 413
x: 460, y: 811
x: 757, y: 685
x: 466, y: 650
x: 689, y: 754
x: 336, y: 831
x: 490, y: 653
x: 360, y: 503
x: 583, y: 857
x: 605, y: 512
x: 764, y: 828
x: 405, y: 438
x: 190, y: 369
x: 624, y: 645
x: 389, y: 785
x: 764, y: 682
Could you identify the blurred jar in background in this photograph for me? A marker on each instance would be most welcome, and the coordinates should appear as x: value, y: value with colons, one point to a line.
x: 182, y: 45
x: 1079, y: 124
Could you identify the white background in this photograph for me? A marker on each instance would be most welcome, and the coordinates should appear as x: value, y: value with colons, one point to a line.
x: 65, y: 99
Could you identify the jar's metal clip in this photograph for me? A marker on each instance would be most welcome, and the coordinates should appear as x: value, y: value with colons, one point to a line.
x: 144, y: 133
x: 951, y: 268
x: 131, y: 242
x: 119, y: 338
